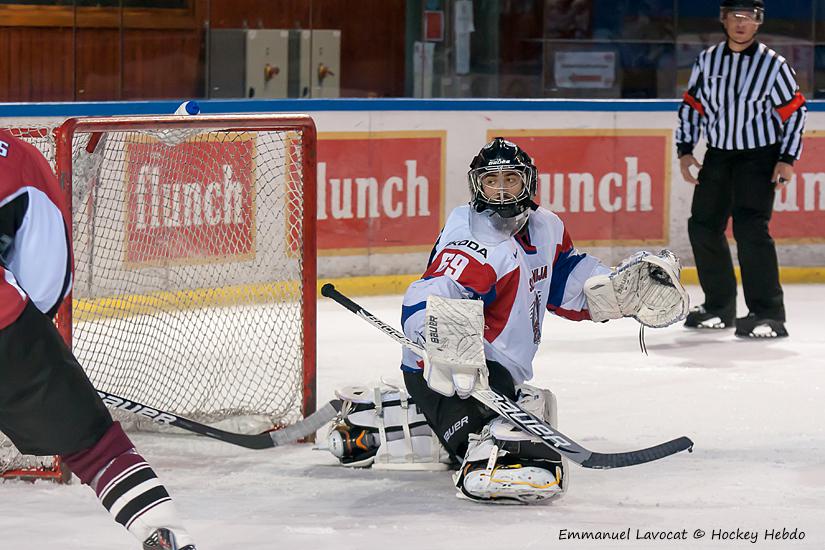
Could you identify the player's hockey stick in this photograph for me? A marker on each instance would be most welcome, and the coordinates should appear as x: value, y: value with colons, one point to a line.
x: 509, y: 410
x: 288, y: 434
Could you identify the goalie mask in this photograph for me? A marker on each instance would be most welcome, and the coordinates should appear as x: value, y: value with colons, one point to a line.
x: 503, y: 181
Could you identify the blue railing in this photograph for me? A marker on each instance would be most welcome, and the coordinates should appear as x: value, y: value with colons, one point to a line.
x: 110, y: 108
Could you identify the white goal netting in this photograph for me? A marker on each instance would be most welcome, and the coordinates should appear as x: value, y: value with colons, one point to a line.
x: 192, y: 270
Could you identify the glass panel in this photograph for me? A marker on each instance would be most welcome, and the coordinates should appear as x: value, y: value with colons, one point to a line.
x: 819, y: 72
x: 788, y: 19
x: 98, y: 3
x: 800, y: 55
x: 160, y: 64
x: 41, y: 67
x: 609, y: 69
x: 164, y: 4
x: 521, y: 50
x: 582, y: 69
x: 697, y: 28
x: 38, y: 2
x: 170, y: 4
x: 152, y: 49
x: 698, y: 17
x: 97, y: 60
x: 633, y: 19
x: 819, y: 20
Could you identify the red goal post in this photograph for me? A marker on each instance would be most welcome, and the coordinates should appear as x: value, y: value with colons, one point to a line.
x: 195, y: 260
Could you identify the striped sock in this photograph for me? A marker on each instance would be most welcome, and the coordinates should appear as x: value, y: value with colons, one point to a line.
x: 127, y: 486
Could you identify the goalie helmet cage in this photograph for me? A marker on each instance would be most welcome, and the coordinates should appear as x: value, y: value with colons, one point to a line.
x: 195, y: 264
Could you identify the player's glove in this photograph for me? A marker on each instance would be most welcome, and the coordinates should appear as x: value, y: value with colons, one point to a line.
x: 454, y: 340
x: 645, y: 286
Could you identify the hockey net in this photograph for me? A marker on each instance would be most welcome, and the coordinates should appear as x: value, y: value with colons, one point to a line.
x: 194, y: 253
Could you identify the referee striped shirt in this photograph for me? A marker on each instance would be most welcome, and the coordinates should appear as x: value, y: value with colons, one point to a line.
x: 742, y: 100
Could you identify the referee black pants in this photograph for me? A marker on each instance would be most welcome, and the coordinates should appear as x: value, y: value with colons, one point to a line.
x: 737, y: 184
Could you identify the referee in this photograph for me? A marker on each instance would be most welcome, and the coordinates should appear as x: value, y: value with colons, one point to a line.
x: 745, y: 98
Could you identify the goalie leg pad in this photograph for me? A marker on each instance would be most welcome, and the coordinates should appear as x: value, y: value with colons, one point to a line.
x: 383, y: 428
x: 539, y: 402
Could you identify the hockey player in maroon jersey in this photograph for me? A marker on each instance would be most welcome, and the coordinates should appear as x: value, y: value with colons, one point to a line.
x: 518, y: 261
x: 47, y: 403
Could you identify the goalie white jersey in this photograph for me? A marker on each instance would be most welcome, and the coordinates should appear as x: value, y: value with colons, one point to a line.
x: 517, y: 279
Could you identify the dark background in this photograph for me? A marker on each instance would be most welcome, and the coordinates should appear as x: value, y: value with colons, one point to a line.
x: 64, y: 50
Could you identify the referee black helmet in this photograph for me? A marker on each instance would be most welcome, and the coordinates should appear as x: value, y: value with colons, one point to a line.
x: 757, y: 7
x: 743, y: 4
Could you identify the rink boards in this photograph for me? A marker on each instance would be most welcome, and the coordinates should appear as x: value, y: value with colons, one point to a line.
x: 389, y: 172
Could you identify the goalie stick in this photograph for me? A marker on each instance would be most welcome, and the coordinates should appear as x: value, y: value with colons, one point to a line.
x: 274, y: 438
x: 510, y: 411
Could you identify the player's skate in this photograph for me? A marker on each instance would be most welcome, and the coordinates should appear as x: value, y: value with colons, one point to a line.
x: 504, y: 464
x: 164, y: 539
x: 702, y: 318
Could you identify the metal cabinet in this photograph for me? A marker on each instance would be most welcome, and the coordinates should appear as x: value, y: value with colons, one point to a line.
x: 273, y: 63
x: 267, y: 63
x: 226, y: 76
x: 320, y: 62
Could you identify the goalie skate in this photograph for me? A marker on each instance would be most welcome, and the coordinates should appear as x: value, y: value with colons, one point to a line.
x: 517, y: 483
x: 503, y: 464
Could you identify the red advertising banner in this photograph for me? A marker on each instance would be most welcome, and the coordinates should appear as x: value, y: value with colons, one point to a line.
x: 191, y: 202
x: 611, y: 187
x: 379, y: 191
x: 799, y: 207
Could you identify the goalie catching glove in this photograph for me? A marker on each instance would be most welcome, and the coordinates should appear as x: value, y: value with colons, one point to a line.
x: 645, y: 286
x: 454, y: 340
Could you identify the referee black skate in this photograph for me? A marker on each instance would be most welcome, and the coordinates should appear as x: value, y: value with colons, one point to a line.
x: 744, y: 96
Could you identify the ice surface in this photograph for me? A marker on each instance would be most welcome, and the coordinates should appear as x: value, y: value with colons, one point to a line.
x: 754, y: 409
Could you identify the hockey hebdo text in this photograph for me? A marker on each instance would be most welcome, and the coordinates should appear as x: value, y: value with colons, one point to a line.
x: 737, y: 535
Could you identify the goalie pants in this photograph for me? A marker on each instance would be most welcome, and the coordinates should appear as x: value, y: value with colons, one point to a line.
x: 48, y: 406
x: 737, y: 184
x: 453, y: 419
